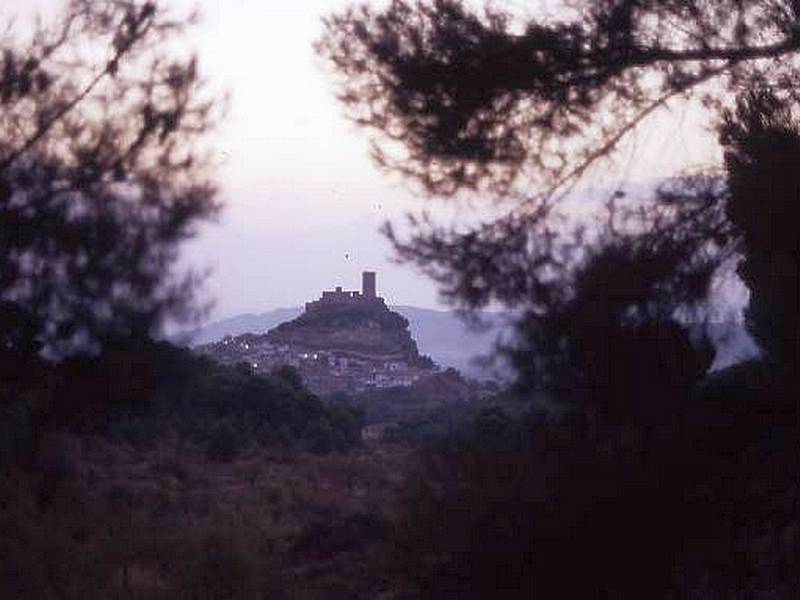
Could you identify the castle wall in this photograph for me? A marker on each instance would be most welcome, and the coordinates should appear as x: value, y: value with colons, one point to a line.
x: 340, y: 297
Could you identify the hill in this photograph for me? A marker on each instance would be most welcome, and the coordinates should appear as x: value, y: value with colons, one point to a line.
x: 346, y: 344
x: 237, y: 325
x: 365, y: 328
x: 450, y: 341
x: 440, y: 334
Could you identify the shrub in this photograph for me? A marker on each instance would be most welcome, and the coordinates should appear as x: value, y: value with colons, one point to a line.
x: 320, y: 438
x: 137, y: 431
x: 17, y: 439
x: 224, y: 444
x: 331, y: 537
x: 221, y: 569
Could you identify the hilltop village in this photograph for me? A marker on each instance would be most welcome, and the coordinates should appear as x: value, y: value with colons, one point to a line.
x: 346, y: 341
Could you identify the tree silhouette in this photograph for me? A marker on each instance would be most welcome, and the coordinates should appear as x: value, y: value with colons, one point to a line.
x: 101, y: 175
x: 762, y: 150
x: 520, y: 108
x: 489, y: 100
x: 653, y: 484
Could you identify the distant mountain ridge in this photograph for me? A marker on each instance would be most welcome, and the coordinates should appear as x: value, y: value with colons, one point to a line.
x: 442, y: 335
x: 237, y: 325
x: 451, y: 342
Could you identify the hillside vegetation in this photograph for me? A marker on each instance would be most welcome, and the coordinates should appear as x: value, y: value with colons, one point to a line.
x: 369, y: 328
x: 137, y: 393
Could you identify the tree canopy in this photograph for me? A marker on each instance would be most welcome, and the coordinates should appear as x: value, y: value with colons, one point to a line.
x: 102, y: 174
x: 652, y: 481
x: 489, y: 100
x: 519, y: 108
x: 762, y: 150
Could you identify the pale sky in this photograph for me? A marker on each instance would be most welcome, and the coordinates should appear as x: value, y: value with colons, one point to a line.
x: 303, y: 200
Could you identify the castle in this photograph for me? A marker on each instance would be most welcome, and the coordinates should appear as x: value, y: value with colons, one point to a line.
x: 346, y: 341
x: 341, y: 298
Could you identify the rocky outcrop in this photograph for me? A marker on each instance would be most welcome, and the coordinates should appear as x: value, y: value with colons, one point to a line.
x: 348, y: 344
x: 364, y: 330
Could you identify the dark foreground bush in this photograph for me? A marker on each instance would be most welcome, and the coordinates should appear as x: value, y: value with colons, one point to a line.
x: 324, y: 539
x: 221, y: 568
x: 137, y: 391
x: 690, y: 508
x: 194, y: 395
x: 223, y: 446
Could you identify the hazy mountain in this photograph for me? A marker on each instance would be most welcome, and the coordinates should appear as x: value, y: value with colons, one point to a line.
x: 442, y: 335
x: 451, y: 342
x: 233, y: 326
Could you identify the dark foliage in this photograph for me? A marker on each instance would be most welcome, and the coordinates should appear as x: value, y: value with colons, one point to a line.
x: 223, y: 569
x: 479, y: 98
x: 326, y: 538
x: 490, y: 101
x: 652, y: 479
x: 102, y: 176
x: 137, y: 392
x: 521, y: 107
x: 230, y: 408
x: 762, y: 151
x: 573, y: 510
x: 223, y: 445
x: 610, y: 344
x: 288, y: 374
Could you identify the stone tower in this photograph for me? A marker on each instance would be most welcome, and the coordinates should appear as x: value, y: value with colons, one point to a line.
x: 368, y: 284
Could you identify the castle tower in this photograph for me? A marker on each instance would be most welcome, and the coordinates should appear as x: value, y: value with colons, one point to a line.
x: 368, y: 284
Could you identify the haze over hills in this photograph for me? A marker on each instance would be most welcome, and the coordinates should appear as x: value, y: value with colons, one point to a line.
x: 445, y: 337
x: 442, y: 335
x: 239, y: 324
